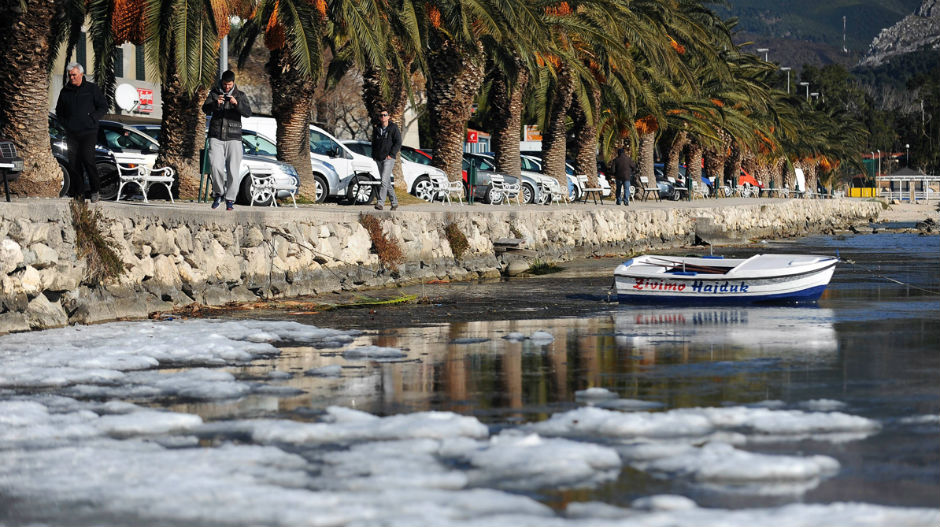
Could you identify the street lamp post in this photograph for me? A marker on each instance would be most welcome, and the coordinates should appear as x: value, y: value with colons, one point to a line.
x: 787, y: 69
x: 878, y: 173
x: 815, y: 96
x: 907, y: 154
x: 804, y: 83
x: 764, y: 51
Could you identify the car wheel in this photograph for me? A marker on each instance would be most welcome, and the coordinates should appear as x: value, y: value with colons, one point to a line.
x: 493, y: 197
x: 423, y: 189
x: 108, y: 181
x: 528, y: 193
x: 360, y: 194
x: 675, y: 195
x: 66, y: 181
x: 244, y: 194
x: 322, y: 189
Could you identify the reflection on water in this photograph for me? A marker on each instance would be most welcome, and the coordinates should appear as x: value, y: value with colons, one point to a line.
x: 473, y: 368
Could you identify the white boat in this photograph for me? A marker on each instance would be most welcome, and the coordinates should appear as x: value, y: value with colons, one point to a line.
x: 774, y: 278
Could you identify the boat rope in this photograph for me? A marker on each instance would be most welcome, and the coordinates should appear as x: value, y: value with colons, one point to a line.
x: 888, y: 278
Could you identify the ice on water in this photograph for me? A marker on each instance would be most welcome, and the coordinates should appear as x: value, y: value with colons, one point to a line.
x: 73, y: 448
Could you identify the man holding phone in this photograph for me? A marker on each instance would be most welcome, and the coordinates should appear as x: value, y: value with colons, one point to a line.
x: 225, y: 105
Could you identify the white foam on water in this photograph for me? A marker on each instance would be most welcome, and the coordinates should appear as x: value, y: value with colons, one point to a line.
x: 68, y: 460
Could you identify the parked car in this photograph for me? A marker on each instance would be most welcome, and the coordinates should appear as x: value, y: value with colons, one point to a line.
x: 419, y: 177
x: 482, y: 188
x: 357, y: 176
x: 11, y: 165
x: 532, y: 181
x: 534, y: 159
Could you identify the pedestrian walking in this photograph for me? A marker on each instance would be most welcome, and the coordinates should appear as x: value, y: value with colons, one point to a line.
x: 623, y: 168
x: 225, y: 105
x: 386, y: 142
x: 79, y: 108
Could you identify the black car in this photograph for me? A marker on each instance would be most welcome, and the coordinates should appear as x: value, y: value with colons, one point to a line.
x: 104, y: 160
x: 10, y: 164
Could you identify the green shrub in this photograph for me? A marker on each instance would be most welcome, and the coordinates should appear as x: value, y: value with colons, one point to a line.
x: 386, y: 248
x: 457, y: 240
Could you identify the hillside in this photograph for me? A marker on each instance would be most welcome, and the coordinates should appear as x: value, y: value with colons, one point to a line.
x: 818, y: 22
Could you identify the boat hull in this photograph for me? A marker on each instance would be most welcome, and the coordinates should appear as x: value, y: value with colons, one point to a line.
x: 802, y: 281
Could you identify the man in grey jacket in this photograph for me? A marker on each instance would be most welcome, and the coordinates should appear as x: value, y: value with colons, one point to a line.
x: 386, y: 142
x: 226, y: 105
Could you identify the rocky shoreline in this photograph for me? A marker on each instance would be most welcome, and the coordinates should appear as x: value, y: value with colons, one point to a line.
x: 184, y: 254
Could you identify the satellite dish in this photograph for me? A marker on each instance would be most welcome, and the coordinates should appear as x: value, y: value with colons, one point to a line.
x: 126, y: 97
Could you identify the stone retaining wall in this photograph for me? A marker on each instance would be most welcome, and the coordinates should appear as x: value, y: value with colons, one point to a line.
x: 179, y: 255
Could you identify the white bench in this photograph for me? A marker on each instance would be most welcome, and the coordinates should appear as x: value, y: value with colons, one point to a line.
x: 265, y: 186
x: 447, y: 189
x: 647, y: 189
x: 136, y: 171
x: 507, y: 191
x: 594, y: 192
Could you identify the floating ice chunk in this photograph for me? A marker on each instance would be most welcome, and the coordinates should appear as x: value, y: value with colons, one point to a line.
x: 590, y: 421
x: 147, y: 422
x: 822, y: 405
x: 373, y: 352
x: 699, y: 422
x: 334, y: 370
x: 279, y: 375
x: 515, y: 461
x: 594, y: 394
x: 409, y: 463
x: 723, y: 463
x: 104, y: 354
x: 514, y: 336
x: 921, y: 420
x: 344, y: 425
x: 664, y: 502
x: 542, y: 338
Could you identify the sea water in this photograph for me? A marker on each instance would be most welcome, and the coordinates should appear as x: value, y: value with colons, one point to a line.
x: 529, y: 402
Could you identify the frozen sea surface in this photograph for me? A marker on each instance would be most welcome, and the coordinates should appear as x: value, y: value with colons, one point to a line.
x: 818, y: 416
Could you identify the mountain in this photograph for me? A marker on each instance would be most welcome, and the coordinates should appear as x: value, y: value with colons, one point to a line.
x: 801, y: 32
x: 917, y: 32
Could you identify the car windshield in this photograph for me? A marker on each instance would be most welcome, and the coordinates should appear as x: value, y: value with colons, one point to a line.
x: 120, y: 138
x: 414, y: 156
x: 56, y: 131
x: 322, y: 144
x: 360, y: 148
x: 257, y: 145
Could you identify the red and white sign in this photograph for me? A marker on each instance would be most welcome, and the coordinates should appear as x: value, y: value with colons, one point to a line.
x: 473, y: 136
x: 146, y: 100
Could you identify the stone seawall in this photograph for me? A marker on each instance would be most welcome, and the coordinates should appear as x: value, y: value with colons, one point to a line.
x: 177, y: 255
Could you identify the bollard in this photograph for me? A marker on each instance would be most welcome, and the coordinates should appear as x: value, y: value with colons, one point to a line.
x: 471, y: 181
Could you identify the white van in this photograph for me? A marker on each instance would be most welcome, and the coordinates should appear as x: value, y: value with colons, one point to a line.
x: 358, y: 175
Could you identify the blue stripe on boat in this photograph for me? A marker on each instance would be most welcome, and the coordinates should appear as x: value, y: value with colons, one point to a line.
x: 811, y: 294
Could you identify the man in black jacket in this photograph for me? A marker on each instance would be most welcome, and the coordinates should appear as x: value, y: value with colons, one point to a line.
x: 226, y: 105
x: 79, y: 108
x: 386, y: 142
x: 623, y: 168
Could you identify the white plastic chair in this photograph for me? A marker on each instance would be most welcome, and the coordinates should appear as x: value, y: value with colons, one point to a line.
x: 265, y: 186
x: 134, y: 170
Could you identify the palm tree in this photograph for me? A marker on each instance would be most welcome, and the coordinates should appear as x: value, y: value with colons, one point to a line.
x: 182, y: 40
x: 30, y: 32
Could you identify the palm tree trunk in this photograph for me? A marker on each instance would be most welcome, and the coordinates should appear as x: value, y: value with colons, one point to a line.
x: 646, y: 157
x: 675, y: 151
x: 733, y: 163
x: 455, y: 77
x: 553, y: 140
x: 694, y: 165
x: 584, y: 145
x: 24, y: 83
x: 507, y: 104
x: 291, y: 99
x: 810, y: 168
x: 182, y: 135
x: 394, y: 99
